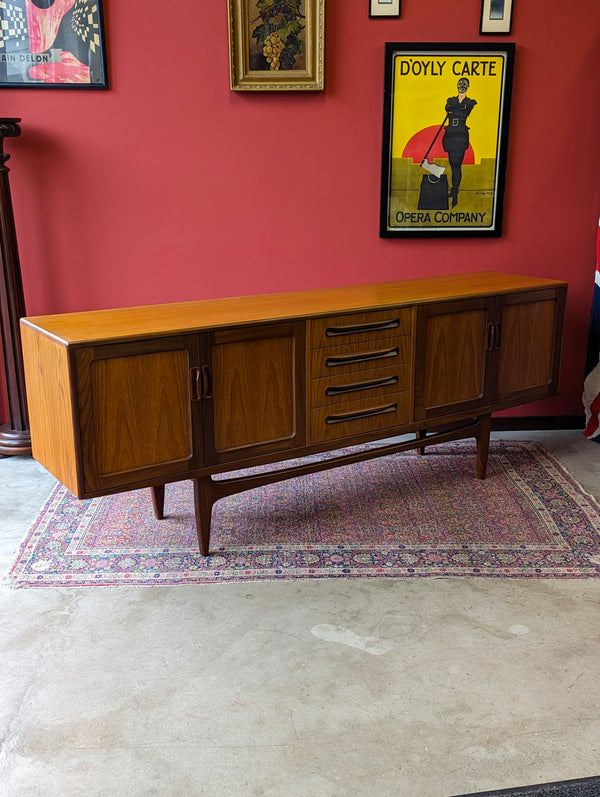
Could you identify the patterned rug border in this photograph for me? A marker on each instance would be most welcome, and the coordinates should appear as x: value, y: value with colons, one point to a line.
x: 175, y: 565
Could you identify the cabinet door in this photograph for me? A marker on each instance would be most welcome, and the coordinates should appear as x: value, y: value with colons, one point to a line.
x: 452, y: 375
x: 258, y: 387
x: 528, y: 340
x: 137, y: 420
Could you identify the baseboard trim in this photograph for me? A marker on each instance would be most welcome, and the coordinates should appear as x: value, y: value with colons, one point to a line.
x: 538, y: 422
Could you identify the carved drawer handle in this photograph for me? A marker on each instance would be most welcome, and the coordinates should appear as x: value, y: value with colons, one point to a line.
x: 353, y: 329
x: 357, y: 416
x: 349, y: 359
x: 338, y: 390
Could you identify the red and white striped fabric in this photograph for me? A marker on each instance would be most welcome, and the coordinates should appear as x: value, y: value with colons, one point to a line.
x: 591, y: 385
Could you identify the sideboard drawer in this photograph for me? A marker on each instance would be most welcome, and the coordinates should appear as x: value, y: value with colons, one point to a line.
x: 360, y: 417
x: 360, y: 328
x: 357, y: 357
x: 331, y: 391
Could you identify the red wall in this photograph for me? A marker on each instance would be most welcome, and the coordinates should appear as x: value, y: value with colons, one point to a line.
x: 170, y: 187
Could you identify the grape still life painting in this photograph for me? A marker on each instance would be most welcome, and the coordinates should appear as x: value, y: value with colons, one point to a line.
x: 277, y: 35
x: 276, y: 44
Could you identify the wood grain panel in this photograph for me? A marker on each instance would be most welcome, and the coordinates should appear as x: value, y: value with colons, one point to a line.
x: 254, y: 392
x: 527, y: 345
x: 141, y: 410
x: 50, y: 403
x: 455, y: 357
x: 131, y: 323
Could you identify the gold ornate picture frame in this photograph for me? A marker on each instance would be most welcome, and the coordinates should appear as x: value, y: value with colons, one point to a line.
x: 275, y: 45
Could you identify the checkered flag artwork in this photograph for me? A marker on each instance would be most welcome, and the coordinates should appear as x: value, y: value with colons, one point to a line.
x: 86, y: 23
x: 52, y: 42
x: 13, y: 24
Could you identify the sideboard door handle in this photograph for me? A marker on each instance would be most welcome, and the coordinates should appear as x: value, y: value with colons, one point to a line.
x: 195, y: 384
x: 491, y: 337
x: 353, y: 329
x: 498, y: 335
x: 206, y: 382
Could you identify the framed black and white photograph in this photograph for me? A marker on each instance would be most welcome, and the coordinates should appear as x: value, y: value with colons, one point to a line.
x: 445, y: 138
x: 384, y: 8
x: 56, y: 43
x: 496, y: 16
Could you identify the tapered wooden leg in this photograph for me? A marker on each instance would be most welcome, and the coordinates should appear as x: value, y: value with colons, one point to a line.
x: 204, y: 498
x: 158, y: 501
x: 483, y: 445
x: 421, y: 435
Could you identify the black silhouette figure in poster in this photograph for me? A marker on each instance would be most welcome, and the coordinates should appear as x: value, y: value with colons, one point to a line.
x: 456, y: 135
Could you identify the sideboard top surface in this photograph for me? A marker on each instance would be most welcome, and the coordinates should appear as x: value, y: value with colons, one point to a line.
x: 129, y: 323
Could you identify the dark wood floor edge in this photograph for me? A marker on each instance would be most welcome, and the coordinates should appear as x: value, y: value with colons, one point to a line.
x: 532, y: 422
x: 573, y: 788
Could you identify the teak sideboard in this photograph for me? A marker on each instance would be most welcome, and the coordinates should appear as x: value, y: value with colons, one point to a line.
x: 138, y: 397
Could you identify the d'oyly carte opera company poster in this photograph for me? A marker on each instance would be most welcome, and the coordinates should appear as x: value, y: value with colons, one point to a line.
x: 445, y: 138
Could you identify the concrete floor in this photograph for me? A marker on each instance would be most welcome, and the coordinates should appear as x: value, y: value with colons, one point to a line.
x: 410, y: 688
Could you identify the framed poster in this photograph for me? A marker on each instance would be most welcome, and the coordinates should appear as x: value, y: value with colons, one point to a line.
x: 496, y: 16
x: 445, y: 137
x: 56, y: 43
x: 276, y: 45
x: 384, y: 8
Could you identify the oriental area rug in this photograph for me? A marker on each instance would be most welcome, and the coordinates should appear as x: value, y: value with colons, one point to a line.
x: 399, y: 516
